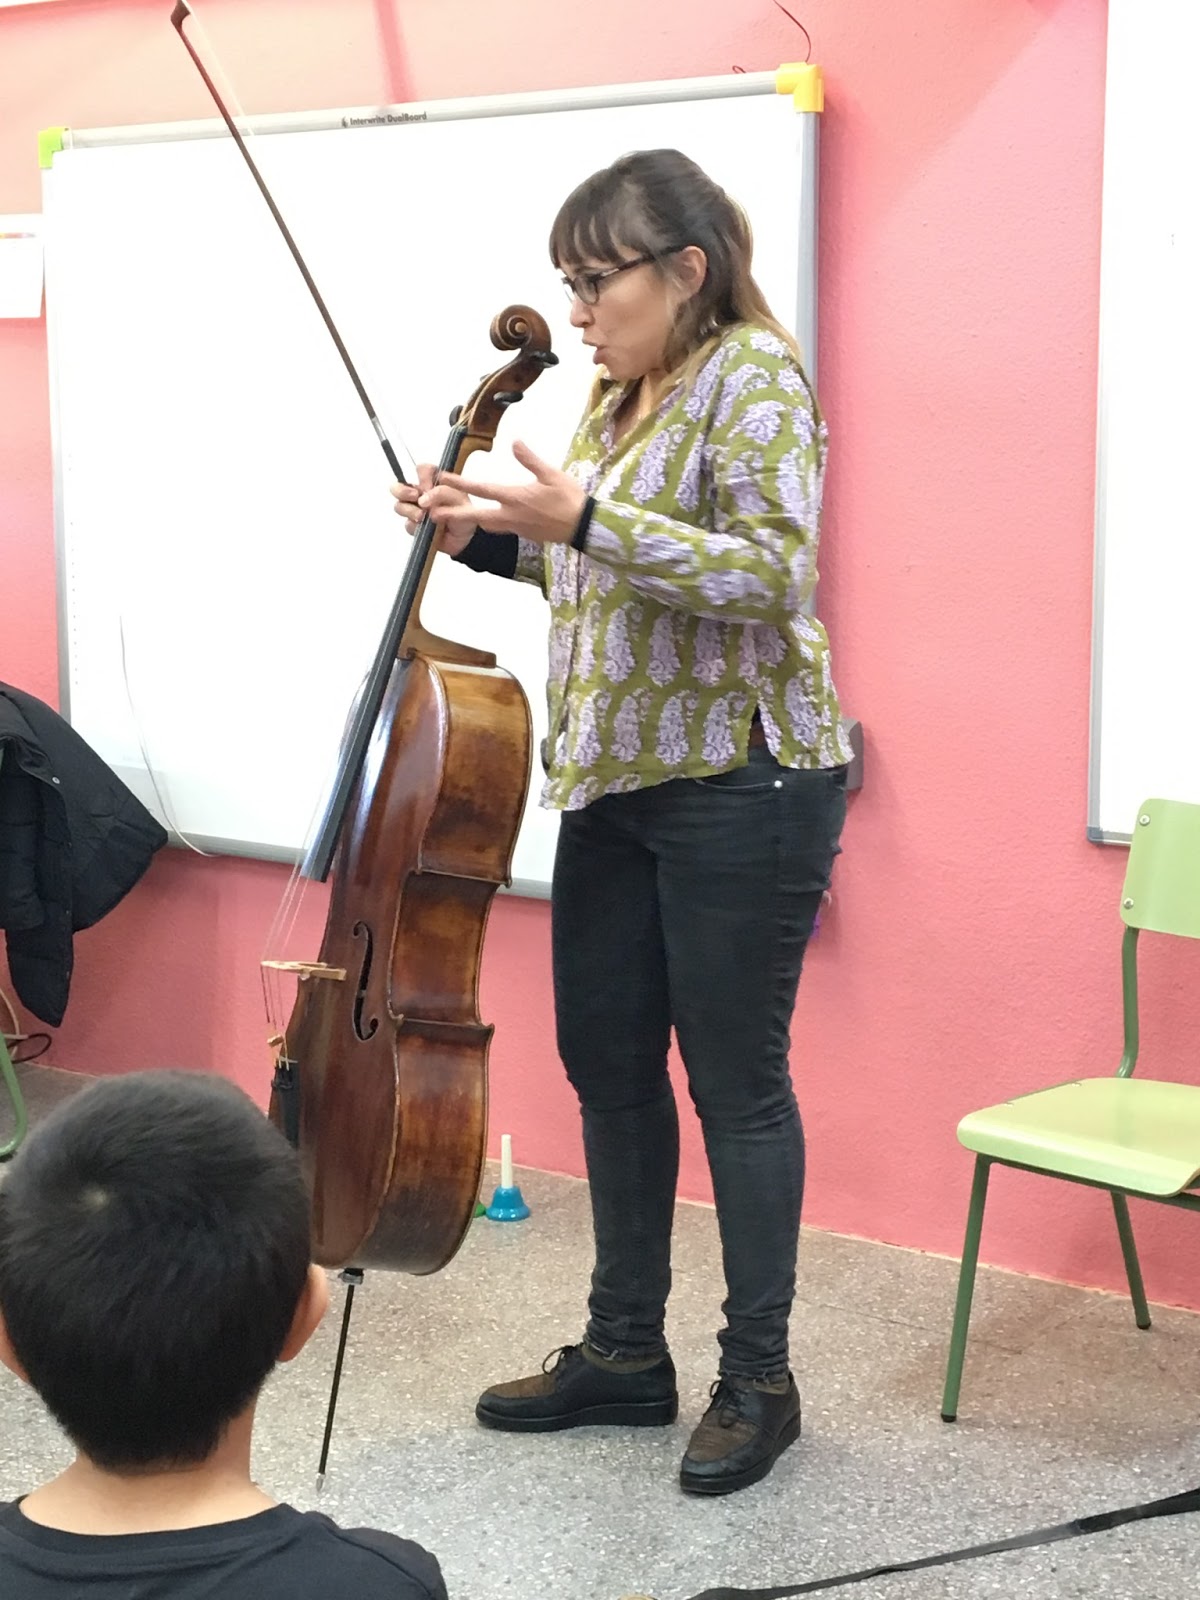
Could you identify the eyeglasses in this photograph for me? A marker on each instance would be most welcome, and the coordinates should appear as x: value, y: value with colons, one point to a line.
x: 585, y: 286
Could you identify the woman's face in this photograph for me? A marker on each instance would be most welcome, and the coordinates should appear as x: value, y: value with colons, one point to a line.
x: 628, y: 326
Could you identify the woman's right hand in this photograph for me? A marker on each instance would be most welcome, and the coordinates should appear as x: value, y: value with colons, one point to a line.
x: 405, y: 495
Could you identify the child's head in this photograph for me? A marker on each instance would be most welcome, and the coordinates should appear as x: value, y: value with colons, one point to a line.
x: 154, y: 1264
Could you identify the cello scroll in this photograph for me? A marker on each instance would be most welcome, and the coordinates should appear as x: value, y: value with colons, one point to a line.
x: 475, y: 425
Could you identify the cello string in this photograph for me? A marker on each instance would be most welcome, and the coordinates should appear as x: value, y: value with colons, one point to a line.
x: 283, y: 925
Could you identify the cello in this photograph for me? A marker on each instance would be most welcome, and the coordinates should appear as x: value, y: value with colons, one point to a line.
x: 381, y: 1071
x: 382, y: 1074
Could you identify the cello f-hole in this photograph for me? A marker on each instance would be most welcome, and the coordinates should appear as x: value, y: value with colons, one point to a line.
x: 364, y: 1030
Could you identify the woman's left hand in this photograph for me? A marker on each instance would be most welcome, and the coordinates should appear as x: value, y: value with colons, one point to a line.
x: 545, y: 510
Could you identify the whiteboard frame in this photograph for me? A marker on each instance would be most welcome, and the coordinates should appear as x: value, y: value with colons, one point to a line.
x: 1095, y: 833
x: 664, y: 91
x: 1125, y: 81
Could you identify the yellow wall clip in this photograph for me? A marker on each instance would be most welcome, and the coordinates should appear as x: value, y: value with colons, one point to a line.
x: 50, y: 142
x: 804, y: 82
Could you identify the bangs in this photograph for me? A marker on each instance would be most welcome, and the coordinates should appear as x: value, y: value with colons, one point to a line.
x: 601, y: 221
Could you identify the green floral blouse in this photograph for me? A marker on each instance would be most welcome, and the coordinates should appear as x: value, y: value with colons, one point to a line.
x: 684, y: 615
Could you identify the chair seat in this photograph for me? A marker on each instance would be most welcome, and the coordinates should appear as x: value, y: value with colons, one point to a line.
x: 1139, y: 1134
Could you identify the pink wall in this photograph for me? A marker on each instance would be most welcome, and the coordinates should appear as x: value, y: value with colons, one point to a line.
x: 972, y: 947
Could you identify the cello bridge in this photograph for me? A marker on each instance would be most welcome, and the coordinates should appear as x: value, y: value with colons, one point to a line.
x: 305, y: 970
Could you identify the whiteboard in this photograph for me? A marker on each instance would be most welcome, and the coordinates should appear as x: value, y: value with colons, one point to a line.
x: 227, y: 548
x: 1145, y: 656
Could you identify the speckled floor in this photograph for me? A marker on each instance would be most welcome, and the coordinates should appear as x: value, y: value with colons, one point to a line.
x: 1066, y: 1409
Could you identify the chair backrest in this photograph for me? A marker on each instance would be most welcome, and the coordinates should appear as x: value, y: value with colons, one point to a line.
x: 1162, y: 880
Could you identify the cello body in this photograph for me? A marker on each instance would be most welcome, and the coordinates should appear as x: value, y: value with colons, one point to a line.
x: 391, y: 1062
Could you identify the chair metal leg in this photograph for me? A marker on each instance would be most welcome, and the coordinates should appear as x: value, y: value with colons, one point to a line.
x: 966, y: 1288
x: 1133, y: 1271
x: 20, y: 1116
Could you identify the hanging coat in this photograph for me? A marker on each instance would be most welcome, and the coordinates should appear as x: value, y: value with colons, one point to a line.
x: 73, y: 842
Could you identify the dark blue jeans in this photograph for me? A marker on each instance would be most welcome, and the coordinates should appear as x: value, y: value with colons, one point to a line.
x: 689, y: 905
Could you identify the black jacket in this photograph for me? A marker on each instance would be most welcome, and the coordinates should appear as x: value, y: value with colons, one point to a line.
x: 73, y: 842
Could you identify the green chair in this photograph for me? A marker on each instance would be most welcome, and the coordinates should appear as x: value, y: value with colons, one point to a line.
x: 1131, y: 1136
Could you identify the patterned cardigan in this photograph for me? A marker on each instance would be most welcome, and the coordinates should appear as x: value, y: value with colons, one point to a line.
x: 684, y: 614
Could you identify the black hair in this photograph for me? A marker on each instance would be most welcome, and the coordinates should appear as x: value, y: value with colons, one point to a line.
x: 154, y: 1245
x: 656, y: 203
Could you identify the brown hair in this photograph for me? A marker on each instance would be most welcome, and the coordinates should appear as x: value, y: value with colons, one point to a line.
x: 655, y: 203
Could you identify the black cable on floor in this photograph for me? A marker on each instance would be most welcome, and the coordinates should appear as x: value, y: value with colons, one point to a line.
x: 1170, y: 1506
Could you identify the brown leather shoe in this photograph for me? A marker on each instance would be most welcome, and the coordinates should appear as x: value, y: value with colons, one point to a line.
x: 740, y: 1437
x: 577, y: 1393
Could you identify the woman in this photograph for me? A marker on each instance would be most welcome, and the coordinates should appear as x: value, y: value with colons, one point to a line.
x: 697, y: 754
